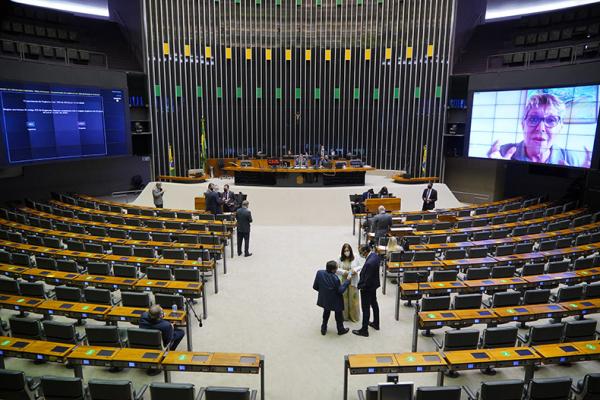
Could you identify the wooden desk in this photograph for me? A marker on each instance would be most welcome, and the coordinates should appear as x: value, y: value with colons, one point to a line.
x: 183, y: 288
x: 415, y: 265
x: 390, y: 204
x: 19, y: 303
x: 530, y: 312
x: 137, y: 358
x: 105, y: 282
x: 12, y: 271
x: 128, y: 206
x: 412, y: 181
x: 50, y: 277
x: 494, y: 358
x: 92, y: 355
x: 582, y: 307
x: 182, y: 179
x: 456, y: 318
x: 33, y: 349
x: 73, y: 310
x: 293, y: 177
x: 469, y: 262
x: 133, y: 315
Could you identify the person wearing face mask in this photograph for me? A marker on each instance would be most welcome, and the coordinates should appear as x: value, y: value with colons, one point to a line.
x: 348, y: 267
x: 429, y: 197
x: 542, y: 122
x: 330, y: 296
x: 368, y: 284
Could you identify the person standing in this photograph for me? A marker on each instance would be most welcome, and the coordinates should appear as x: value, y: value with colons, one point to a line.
x: 381, y: 224
x: 213, y: 201
x: 244, y: 219
x: 429, y: 197
x: 330, y: 296
x: 157, y: 195
x: 348, y: 267
x: 368, y: 284
x: 228, y: 199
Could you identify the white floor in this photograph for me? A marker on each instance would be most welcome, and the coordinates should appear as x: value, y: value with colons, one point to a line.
x: 266, y: 303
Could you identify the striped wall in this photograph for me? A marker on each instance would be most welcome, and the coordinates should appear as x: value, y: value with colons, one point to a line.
x: 361, y: 76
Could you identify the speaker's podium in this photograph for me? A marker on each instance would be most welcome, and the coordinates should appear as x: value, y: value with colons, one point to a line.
x: 199, y: 203
x: 390, y: 204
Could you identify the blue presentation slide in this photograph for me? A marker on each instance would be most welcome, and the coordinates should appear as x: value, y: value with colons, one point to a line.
x: 42, y: 122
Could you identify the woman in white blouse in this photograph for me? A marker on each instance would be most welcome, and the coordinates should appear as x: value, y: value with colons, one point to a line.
x: 348, y: 265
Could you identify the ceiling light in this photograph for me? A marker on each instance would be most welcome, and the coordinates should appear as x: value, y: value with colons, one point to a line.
x: 534, y: 8
x: 69, y: 6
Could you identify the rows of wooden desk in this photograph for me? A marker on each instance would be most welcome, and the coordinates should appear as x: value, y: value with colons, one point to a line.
x: 227, y: 234
x: 211, y: 248
x: 440, y: 362
x: 500, y: 315
x: 180, y: 361
x: 127, y: 206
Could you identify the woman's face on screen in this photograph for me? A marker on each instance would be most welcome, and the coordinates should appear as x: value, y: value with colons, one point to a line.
x: 540, y: 126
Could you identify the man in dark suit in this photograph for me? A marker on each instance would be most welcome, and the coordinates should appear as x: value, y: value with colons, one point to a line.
x: 429, y: 197
x: 244, y: 219
x: 368, y: 194
x: 330, y: 297
x: 381, y: 223
x: 368, y: 284
x: 213, y: 201
x: 228, y: 199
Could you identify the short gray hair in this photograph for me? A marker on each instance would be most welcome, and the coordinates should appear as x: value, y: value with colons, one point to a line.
x: 381, y: 209
x: 245, y: 203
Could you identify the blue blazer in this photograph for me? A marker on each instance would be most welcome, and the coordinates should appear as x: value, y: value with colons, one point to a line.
x: 330, y: 290
x: 369, y: 274
x: 213, y: 202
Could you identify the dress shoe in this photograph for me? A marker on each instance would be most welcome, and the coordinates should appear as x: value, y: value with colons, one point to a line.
x: 359, y: 332
x: 323, y: 330
x: 247, y: 255
x: 239, y: 254
x: 372, y: 325
x: 344, y: 331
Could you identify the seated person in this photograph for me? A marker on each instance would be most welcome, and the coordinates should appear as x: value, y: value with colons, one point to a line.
x: 153, y: 319
x: 384, y: 191
x: 369, y: 194
x: 301, y: 161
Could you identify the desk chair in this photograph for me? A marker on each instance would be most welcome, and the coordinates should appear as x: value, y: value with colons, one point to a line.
x: 75, y: 245
x: 118, y: 233
x: 563, y: 243
x: 154, y: 224
x: 147, y: 212
x: 133, y: 221
x: 480, y: 222
x: 146, y: 339
x: 500, y: 233
x: 467, y: 301
x: 595, y: 237
x: 424, y: 256
x: 498, y: 390
x: 532, y: 269
x: 533, y: 229
x: 173, y: 254
x: 183, y: 391
x: 125, y: 271
x: 188, y: 274
x: 536, y: 296
x: 542, y: 334
x: 103, y: 207
x: 438, y: 392
x: 455, y: 254
x: 167, y: 301
x: 424, y: 227
x: 478, y: 252
x: 413, y: 240
x: 523, y: 248
x: 592, y: 291
x: 547, y: 245
x: 458, y: 339
x: 122, y: 251
x: 497, y: 337
x: 504, y: 299
x: 98, y: 296
x: 166, y: 214
x: 66, y: 265
x: 187, y: 239
x: 135, y: 235
x: 504, y: 271
x: 505, y: 250
x: 16, y: 237
x: 99, y: 219
x: 159, y: 273
x: 498, y: 220
x: 61, y: 332
x: 9, y: 286
x: 583, y: 239
x: 444, y: 275
x: 35, y: 240
x: 212, y: 239
x: 437, y: 239
x: 414, y: 217
x: 402, y: 256
x: 583, y: 220
x: 395, y: 391
x: 93, y: 248
x: 112, y: 219
x: 484, y: 235
x: 33, y: 289
x: 463, y: 213
x: 413, y: 277
x: 161, y: 237
x: 443, y: 225
x: 459, y: 237
x: 557, y: 266
x: 53, y: 242
x: 98, y: 268
x: 146, y: 252
x: 196, y: 226
x: 55, y: 388
x: 45, y: 263
x: 96, y: 230
x: 107, y: 336
x: 173, y: 225
x: 21, y: 259
x: 568, y: 293
x: 200, y: 254
x: 477, y: 273
x: 579, y: 331
x: 184, y: 215
x: 520, y: 230
x: 583, y: 263
x: 436, y: 303
x: 25, y: 328
x: 15, y: 386
x: 556, y: 226
x: 114, y: 389
x: 587, y: 388
x: 133, y: 299
x: 67, y: 293
x: 548, y: 389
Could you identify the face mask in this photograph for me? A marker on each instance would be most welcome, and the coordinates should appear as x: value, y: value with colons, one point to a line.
x: 347, y: 253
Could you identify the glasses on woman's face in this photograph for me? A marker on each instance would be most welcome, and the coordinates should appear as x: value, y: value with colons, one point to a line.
x: 550, y: 121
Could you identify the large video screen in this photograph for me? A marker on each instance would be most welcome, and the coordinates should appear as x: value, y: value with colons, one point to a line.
x: 44, y: 122
x: 547, y: 126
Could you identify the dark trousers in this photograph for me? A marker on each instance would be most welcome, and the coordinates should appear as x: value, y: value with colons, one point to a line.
x: 339, y: 319
x: 368, y: 300
x: 178, y: 335
x: 243, y: 236
x: 158, y: 205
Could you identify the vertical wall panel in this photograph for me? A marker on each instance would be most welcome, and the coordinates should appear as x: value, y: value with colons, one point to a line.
x: 360, y: 78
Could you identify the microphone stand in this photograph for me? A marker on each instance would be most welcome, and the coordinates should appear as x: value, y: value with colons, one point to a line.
x: 190, y: 306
